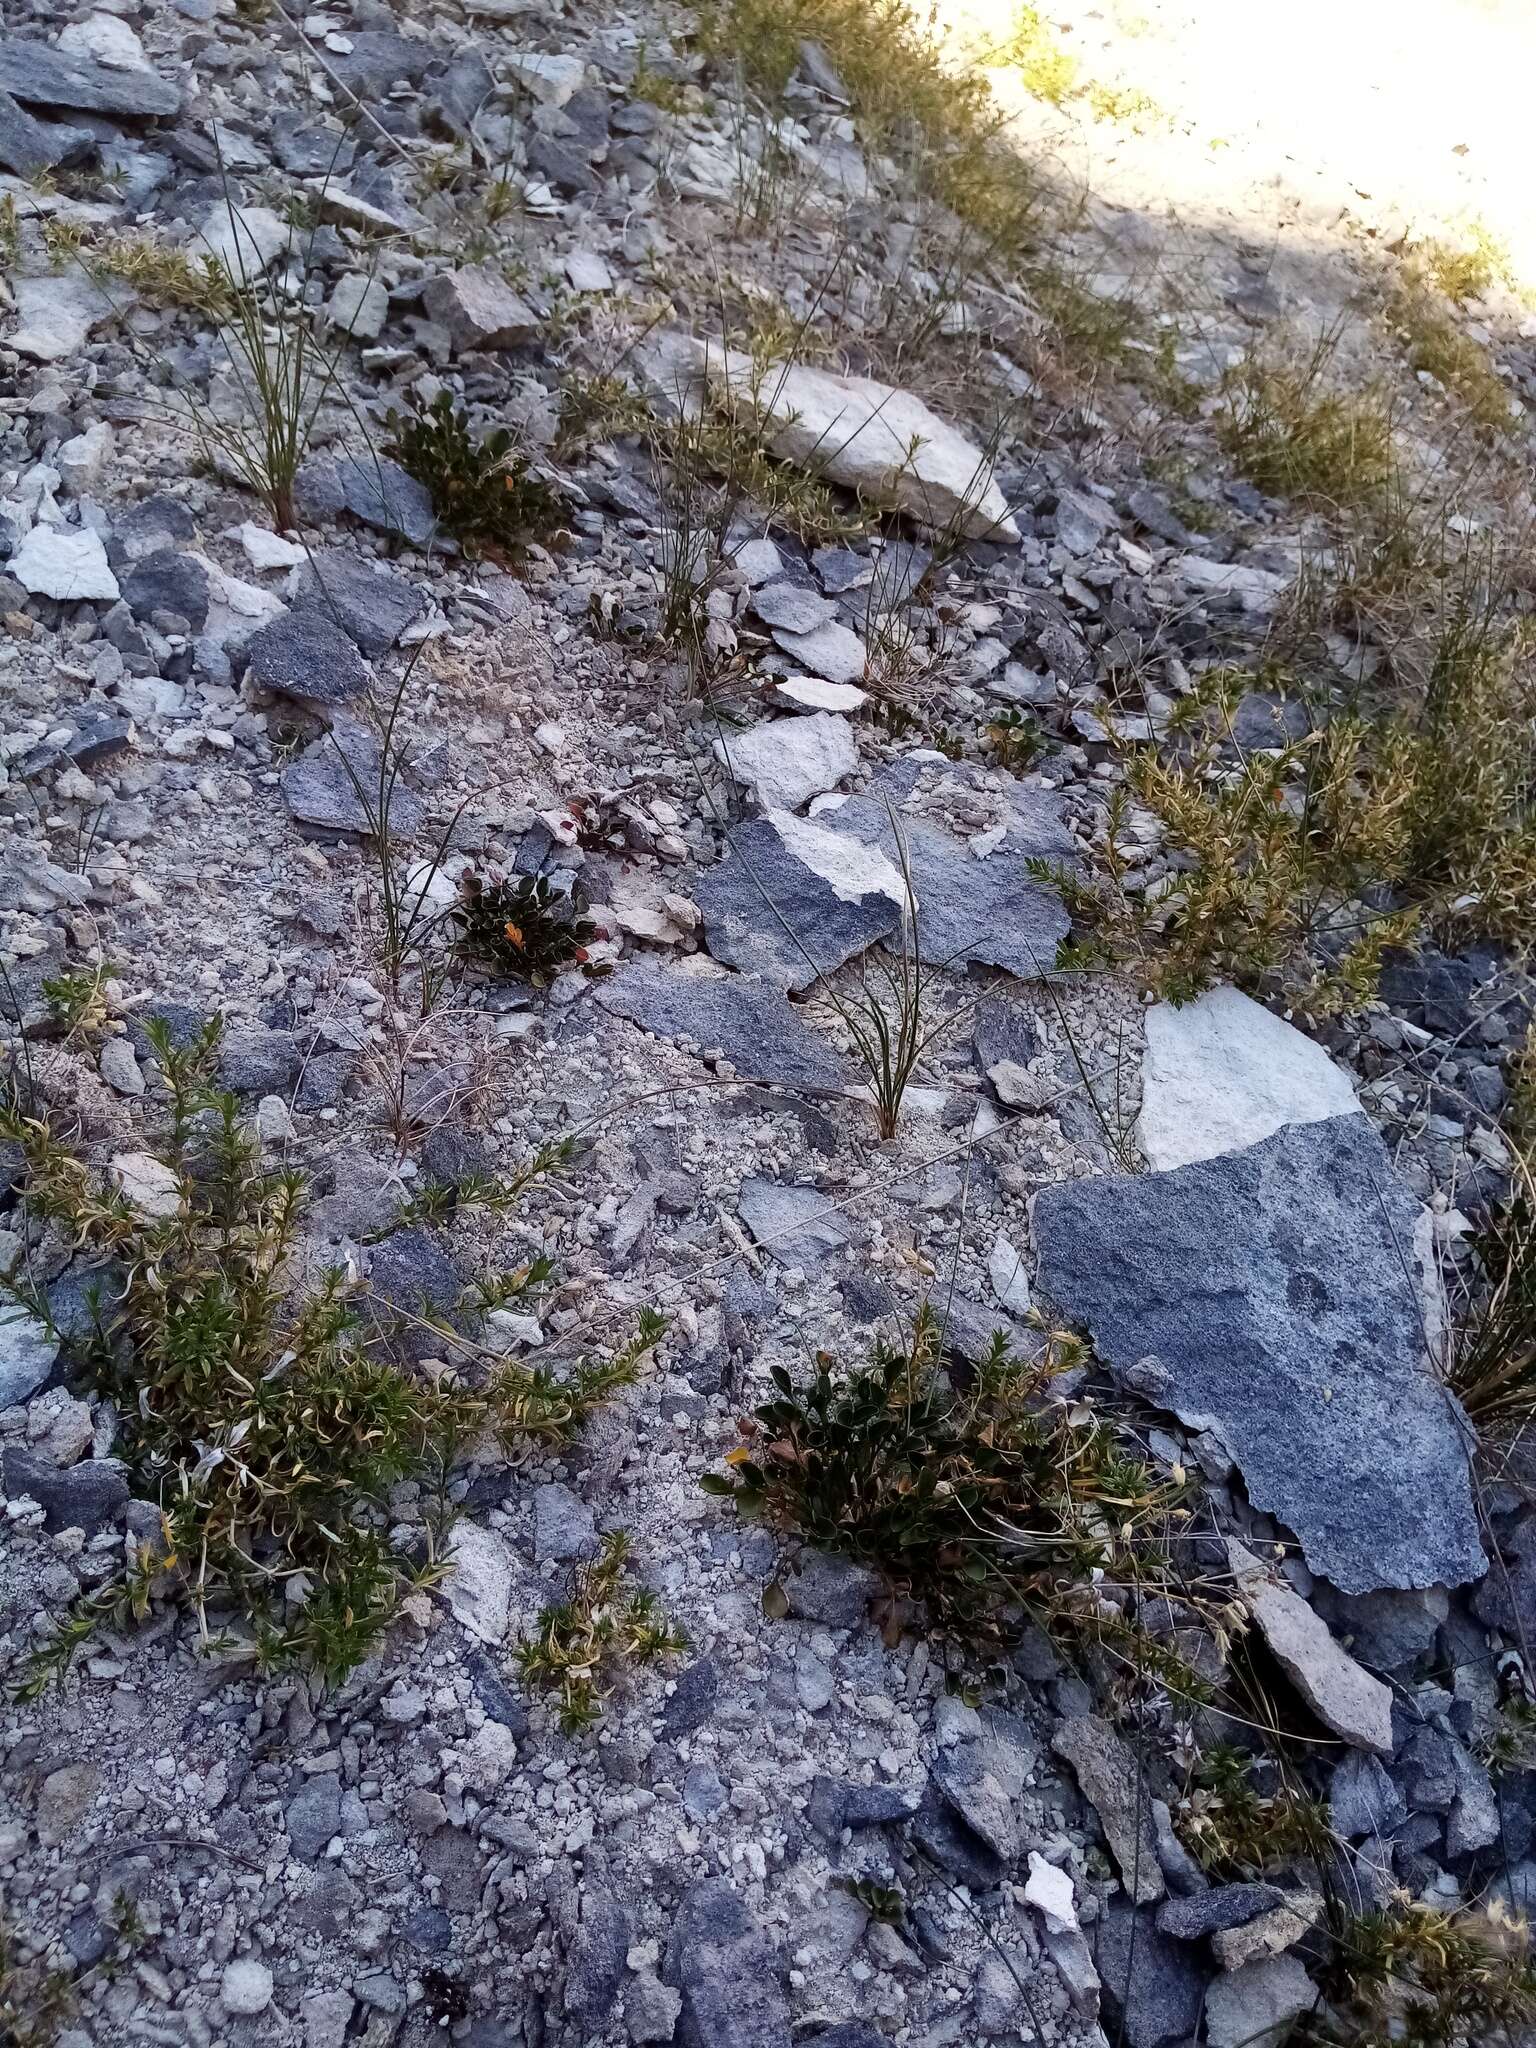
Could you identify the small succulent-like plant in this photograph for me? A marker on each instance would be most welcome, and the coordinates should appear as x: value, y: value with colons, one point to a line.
x: 601, y: 1624
x: 521, y: 929
x: 484, y: 492
x: 1014, y: 736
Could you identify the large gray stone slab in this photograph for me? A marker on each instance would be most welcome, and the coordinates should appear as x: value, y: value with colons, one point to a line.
x: 797, y: 897
x: 1268, y: 1295
x: 728, y: 1972
x: 320, y: 792
x: 747, y: 1020
x: 45, y: 77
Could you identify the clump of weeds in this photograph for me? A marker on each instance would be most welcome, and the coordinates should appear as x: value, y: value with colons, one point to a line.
x: 978, y: 1500
x: 1294, y: 432
x: 268, y: 1420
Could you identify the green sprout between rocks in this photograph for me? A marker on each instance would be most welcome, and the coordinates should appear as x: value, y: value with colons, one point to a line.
x: 484, y: 492
x: 602, y: 1624
x: 268, y: 1422
x: 978, y: 1499
x: 522, y: 929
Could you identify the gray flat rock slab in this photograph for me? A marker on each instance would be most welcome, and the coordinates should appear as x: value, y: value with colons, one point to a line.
x: 45, y: 77
x: 320, y: 793
x: 749, y: 1021
x: 797, y: 897
x: 372, y: 606
x: 796, y: 1225
x: 29, y: 146
x: 308, y: 657
x: 1268, y: 1295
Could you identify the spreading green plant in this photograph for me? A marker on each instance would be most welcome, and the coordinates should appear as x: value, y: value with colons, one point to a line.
x: 1276, y: 849
x: 979, y: 1499
x: 76, y: 1000
x: 522, y: 930
x: 602, y: 1624
x: 269, y: 1424
x: 1014, y: 736
x: 1297, y: 866
x: 484, y: 491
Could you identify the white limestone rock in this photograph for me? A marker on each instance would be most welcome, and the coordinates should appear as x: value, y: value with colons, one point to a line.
x: 871, y: 438
x: 66, y: 562
x: 785, y: 761
x: 1222, y: 1073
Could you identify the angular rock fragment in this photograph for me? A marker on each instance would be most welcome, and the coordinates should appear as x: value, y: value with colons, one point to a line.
x: 749, y: 1021
x: 306, y: 657
x: 871, y: 438
x: 1266, y: 1294
x: 65, y: 562
x: 43, y: 76
x: 1153, y: 1988
x: 785, y: 761
x: 799, y: 896
x: 479, y: 308
x: 372, y: 488
x: 727, y: 1971
x: 320, y: 790
x: 1345, y: 1698
x: 796, y: 1225
x: 29, y: 146
x: 372, y: 606
x: 1115, y: 1789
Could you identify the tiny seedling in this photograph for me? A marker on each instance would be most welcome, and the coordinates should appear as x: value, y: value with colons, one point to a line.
x: 602, y: 1624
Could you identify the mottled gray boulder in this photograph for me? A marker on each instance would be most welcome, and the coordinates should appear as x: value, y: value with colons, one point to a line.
x: 799, y: 896
x: 1266, y: 1294
x: 372, y: 488
x: 45, y: 77
x: 748, y: 1020
x: 370, y: 604
x: 828, y: 1589
x: 305, y: 656
x: 728, y: 1973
